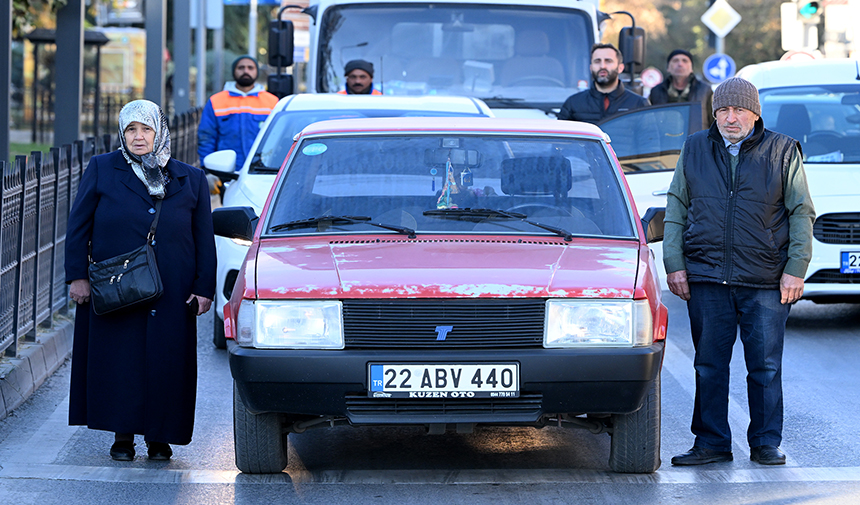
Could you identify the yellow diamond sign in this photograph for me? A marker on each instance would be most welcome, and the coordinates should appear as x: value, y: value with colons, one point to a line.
x: 721, y: 18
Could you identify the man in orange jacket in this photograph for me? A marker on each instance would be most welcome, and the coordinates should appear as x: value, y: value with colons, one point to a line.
x: 232, y: 118
x: 359, y: 78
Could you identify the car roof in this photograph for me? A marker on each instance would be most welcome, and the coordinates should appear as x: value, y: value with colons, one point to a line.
x: 454, y: 124
x: 781, y: 74
x: 334, y: 101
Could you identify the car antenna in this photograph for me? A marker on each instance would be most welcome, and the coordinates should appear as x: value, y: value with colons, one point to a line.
x: 857, y: 64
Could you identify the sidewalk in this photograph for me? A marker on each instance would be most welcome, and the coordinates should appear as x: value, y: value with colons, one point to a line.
x: 21, y: 376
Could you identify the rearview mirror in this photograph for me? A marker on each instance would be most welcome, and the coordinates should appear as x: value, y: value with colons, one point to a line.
x: 235, y: 222
x: 440, y: 157
x: 851, y: 99
x: 652, y: 222
x: 222, y: 163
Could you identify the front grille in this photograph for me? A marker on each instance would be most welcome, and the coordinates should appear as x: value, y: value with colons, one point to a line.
x: 833, y: 276
x: 839, y: 228
x: 361, y: 405
x: 476, y: 323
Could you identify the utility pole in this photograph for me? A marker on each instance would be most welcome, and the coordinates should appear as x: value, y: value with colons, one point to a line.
x: 69, y: 69
x: 5, y: 78
x: 156, y: 40
x: 181, y: 56
x: 200, y: 43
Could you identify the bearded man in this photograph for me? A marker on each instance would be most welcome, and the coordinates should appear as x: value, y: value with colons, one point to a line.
x: 607, y: 95
x: 232, y: 117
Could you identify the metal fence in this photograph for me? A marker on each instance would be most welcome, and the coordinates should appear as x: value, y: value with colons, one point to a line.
x: 36, y: 194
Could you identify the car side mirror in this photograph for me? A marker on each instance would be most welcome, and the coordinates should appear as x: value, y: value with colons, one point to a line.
x: 652, y: 223
x: 222, y: 164
x: 235, y: 222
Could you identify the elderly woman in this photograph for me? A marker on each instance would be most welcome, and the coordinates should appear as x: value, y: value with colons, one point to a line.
x: 134, y: 371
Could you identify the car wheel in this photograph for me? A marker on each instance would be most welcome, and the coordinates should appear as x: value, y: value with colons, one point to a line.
x: 218, y: 337
x: 259, y: 441
x: 635, y: 446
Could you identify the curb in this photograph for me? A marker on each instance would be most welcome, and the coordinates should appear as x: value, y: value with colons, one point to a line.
x: 22, y: 375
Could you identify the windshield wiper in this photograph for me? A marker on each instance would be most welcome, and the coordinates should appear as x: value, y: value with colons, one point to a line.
x: 259, y: 167
x: 517, y: 103
x: 314, y: 221
x: 490, y: 213
x: 501, y: 100
x: 470, y: 212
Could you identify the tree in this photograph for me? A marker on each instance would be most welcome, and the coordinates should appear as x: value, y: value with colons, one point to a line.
x: 673, y: 24
x: 26, y: 12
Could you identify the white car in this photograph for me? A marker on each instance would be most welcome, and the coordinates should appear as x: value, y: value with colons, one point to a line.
x: 254, y: 179
x: 818, y: 103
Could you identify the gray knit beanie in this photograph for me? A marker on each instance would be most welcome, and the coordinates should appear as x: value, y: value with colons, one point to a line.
x: 737, y: 92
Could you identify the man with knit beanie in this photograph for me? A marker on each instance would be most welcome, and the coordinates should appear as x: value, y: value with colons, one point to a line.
x: 232, y: 118
x: 359, y: 78
x: 682, y: 85
x: 737, y: 242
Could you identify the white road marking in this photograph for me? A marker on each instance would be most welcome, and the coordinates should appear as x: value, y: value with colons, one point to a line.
x: 669, y: 475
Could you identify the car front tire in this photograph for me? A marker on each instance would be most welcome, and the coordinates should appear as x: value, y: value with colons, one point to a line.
x: 635, y: 446
x: 218, y: 337
x: 259, y: 440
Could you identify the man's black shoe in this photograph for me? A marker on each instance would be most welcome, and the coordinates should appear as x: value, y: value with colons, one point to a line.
x: 122, y: 451
x: 701, y: 456
x: 767, y: 455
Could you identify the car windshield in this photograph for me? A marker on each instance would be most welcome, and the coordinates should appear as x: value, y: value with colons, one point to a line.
x: 825, y: 119
x: 486, y: 184
x: 274, y: 146
x: 505, y: 54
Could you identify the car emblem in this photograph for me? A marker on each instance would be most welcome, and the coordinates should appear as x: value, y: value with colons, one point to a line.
x: 442, y: 332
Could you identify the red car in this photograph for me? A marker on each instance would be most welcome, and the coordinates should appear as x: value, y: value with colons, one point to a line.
x: 451, y: 273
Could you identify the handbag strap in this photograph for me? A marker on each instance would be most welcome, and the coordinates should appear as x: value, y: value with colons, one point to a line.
x: 152, y: 227
x: 149, y: 236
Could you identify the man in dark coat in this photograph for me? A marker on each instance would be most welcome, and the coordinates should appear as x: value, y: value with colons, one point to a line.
x: 135, y: 371
x: 607, y: 95
x: 737, y: 243
x: 682, y: 86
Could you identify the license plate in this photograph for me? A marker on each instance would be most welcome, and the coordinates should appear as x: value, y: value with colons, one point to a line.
x: 850, y: 263
x: 444, y: 380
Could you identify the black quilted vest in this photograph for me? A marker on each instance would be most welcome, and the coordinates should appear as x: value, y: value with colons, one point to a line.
x: 737, y: 232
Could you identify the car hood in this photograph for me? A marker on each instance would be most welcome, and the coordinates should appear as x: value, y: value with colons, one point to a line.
x: 250, y: 189
x: 445, y: 267
x: 832, y: 179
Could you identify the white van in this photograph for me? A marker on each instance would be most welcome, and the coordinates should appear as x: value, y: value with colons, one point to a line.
x: 818, y: 103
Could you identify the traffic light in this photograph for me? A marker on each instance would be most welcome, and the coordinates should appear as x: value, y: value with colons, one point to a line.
x: 809, y: 12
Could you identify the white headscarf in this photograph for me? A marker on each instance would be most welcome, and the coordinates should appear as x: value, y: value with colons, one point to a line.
x: 149, y: 167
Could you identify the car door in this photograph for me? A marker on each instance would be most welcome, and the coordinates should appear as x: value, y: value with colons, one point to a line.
x: 648, y: 156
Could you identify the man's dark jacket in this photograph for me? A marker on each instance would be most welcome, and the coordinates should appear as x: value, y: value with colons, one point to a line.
x: 588, y: 105
x: 737, y: 231
x: 699, y: 92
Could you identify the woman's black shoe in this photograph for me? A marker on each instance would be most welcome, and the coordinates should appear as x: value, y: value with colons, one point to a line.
x: 159, y: 451
x: 122, y: 451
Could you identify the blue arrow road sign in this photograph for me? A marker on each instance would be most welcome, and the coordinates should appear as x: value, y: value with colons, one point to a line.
x: 719, y: 67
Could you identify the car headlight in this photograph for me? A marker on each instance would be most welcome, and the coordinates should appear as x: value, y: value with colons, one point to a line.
x: 578, y: 323
x: 290, y: 324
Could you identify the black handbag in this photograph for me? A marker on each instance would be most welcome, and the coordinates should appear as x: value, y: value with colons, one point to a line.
x: 128, y: 279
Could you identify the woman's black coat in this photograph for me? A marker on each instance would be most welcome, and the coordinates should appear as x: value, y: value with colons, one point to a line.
x: 135, y: 371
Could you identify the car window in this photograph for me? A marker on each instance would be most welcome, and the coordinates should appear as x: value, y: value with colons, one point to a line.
x: 276, y: 143
x: 824, y: 119
x: 650, y: 139
x: 562, y: 182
